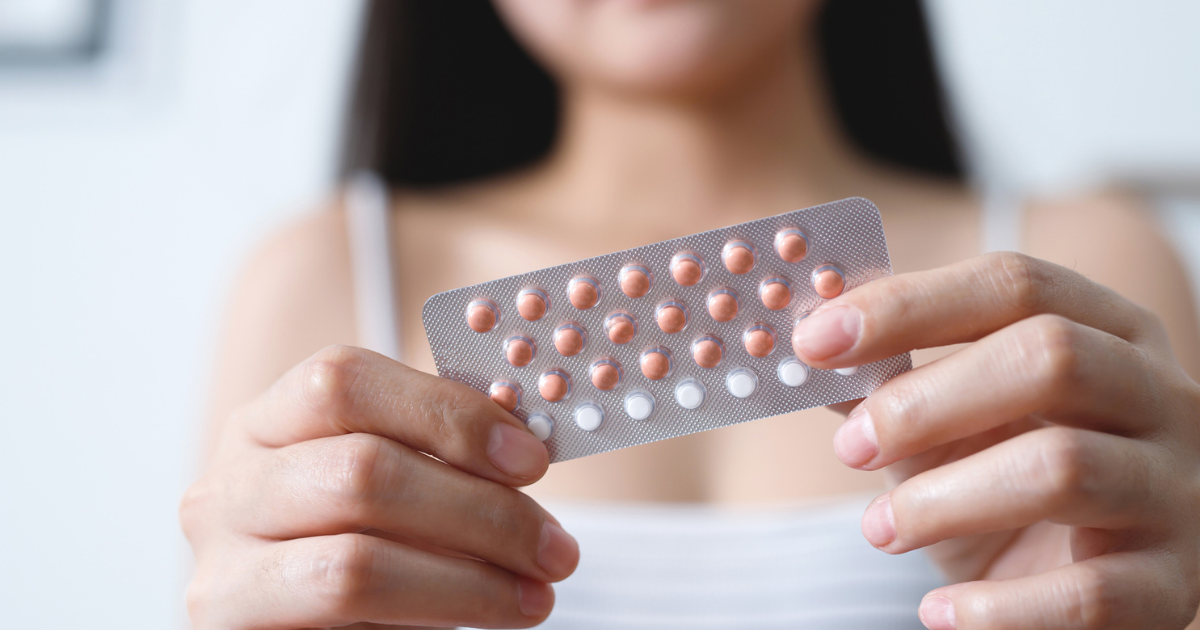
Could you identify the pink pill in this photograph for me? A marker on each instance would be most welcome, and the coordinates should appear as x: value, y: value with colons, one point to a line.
x: 505, y: 394
x: 605, y: 375
x: 722, y: 305
x: 583, y: 293
x: 635, y: 281
x: 791, y: 245
x: 671, y: 319
x: 655, y: 364
x: 759, y: 341
x: 553, y: 386
x: 686, y: 269
x: 518, y: 351
x: 482, y: 315
x: 775, y: 293
x: 828, y: 281
x: 619, y: 328
x: 531, y: 304
x: 738, y: 257
x: 568, y: 340
x: 707, y: 352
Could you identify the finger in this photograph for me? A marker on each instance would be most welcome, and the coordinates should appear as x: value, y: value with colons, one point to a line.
x: 349, y: 390
x: 1132, y: 590
x: 1066, y: 476
x: 334, y: 581
x: 956, y: 304
x: 1046, y: 365
x: 355, y: 482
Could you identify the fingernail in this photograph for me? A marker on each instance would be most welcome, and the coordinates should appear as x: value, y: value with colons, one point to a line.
x: 878, y: 523
x: 516, y: 452
x: 937, y: 613
x: 558, y: 552
x: 828, y: 333
x: 855, y: 442
x: 534, y: 598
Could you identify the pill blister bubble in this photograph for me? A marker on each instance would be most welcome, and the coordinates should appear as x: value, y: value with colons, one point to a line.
x: 775, y: 293
x: 792, y: 372
x: 791, y: 244
x: 620, y: 327
x: 639, y: 404
x: 722, y: 305
x: 656, y: 363
x: 707, y: 351
x: 687, y: 269
x: 589, y: 416
x: 738, y: 257
x: 554, y: 385
x: 847, y: 371
x: 635, y: 281
x: 482, y: 315
x: 828, y: 281
x: 569, y: 339
x: 741, y: 382
x: 689, y: 393
x: 671, y: 316
x: 507, y: 394
x: 759, y: 340
x: 605, y: 374
x: 519, y: 350
x: 532, y: 304
x: 540, y: 424
x: 583, y: 292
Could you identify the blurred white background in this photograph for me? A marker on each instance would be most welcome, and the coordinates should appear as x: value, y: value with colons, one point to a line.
x: 129, y: 191
x: 131, y: 187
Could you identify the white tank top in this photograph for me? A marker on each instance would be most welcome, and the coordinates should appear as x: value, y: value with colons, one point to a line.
x: 682, y: 566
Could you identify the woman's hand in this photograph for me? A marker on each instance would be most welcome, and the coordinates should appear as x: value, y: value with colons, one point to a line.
x: 1055, y: 460
x: 325, y: 506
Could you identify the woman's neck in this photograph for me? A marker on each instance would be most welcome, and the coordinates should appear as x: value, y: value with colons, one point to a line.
x: 767, y: 144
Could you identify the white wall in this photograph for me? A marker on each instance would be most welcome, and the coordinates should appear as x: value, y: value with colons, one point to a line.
x: 1055, y: 94
x: 127, y: 196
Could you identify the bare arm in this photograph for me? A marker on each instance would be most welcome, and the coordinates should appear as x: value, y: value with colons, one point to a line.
x: 293, y: 297
x: 1113, y: 239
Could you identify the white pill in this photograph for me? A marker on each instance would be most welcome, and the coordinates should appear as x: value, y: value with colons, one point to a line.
x: 850, y: 371
x: 741, y: 383
x: 689, y: 394
x: 541, y: 425
x: 639, y: 405
x: 792, y: 372
x: 588, y: 417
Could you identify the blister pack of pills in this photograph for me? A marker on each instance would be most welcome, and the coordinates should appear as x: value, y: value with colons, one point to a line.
x: 666, y: 339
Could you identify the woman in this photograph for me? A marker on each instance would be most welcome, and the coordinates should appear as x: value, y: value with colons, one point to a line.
x: 1048, y: 466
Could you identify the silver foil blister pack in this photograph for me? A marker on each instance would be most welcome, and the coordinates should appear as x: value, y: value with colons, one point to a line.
x: 844, y: 237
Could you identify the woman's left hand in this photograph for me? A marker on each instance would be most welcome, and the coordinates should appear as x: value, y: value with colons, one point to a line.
x: 1054, y: 461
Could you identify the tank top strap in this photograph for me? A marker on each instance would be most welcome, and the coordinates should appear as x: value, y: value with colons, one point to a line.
x: 368, y: 222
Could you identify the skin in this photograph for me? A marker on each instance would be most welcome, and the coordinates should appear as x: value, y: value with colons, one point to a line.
x: 1063, y: 495
x: 318, y: 509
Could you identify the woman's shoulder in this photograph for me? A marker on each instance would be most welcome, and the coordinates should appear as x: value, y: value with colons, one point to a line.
x: 292, y: 297
x: 1112, y: 236
x: 1115, y: 238
x: 305, y: 261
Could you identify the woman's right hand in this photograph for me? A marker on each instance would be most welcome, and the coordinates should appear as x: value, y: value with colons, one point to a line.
x: 324, y: 506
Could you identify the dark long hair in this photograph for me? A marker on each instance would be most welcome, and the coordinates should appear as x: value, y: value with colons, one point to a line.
x: 443, y: 93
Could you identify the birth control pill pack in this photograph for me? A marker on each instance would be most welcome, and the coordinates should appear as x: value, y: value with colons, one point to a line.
x: 667, y: 339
